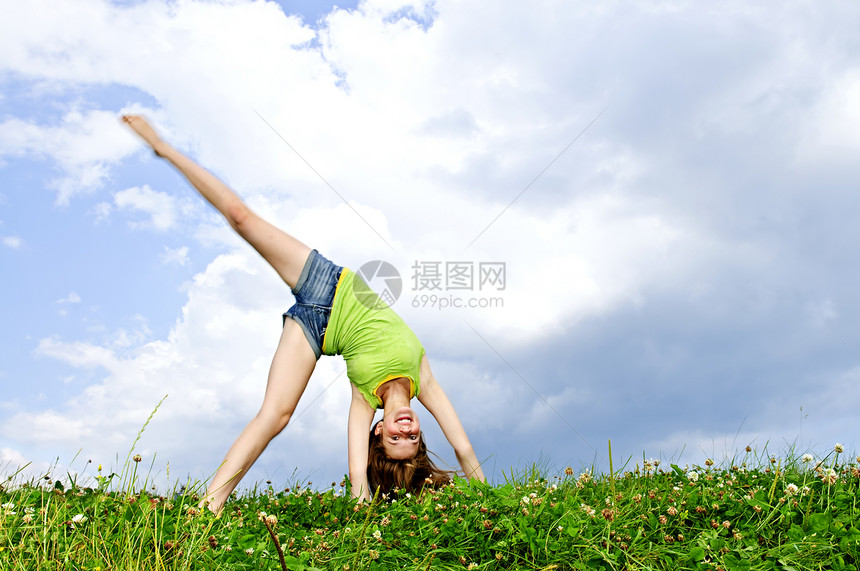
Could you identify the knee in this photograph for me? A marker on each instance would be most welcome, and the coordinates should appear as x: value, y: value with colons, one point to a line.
x: 274, y: 420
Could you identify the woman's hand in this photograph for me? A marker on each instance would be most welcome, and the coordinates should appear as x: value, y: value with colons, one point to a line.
x: 145, y: 131
x: 358, y: 431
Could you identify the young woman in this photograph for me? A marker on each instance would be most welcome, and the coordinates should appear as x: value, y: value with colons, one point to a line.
x: 386, y: 364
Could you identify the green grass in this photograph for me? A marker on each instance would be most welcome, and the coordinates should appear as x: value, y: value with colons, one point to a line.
x: 755, y: 512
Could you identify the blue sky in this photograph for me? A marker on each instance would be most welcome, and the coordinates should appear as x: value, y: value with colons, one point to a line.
x: 681, y: 279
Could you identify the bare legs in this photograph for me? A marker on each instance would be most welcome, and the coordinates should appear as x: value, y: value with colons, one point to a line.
x: 292, y: 366
x: 294, y: 359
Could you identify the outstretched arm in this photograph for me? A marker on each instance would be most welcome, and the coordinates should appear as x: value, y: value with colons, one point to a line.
x: 436, y: 401
x: 358, y: 430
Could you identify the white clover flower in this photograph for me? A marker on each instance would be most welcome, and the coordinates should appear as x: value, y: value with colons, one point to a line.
x: 693, y: 476
x: 249, y: 551
x: 525, y: 500
x: 377, y: 534
x: 807, y: 458
x: 79, y: 518
x: 839, y: 448
x: 791, y: 489
x: 587, y: 509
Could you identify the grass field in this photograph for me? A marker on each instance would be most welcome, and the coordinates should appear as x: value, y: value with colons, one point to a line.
x: 757, y: 512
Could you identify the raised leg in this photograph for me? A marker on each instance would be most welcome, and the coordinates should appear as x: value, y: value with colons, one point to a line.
x: 292, y: 366
x: 285, y: 254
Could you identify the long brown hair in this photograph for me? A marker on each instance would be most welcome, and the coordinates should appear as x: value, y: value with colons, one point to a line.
x: 408, y: 475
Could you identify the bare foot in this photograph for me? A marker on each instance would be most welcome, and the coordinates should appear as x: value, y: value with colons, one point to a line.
x: 140, y: 126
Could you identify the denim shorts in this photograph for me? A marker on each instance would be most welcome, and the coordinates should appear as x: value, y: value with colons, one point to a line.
x: 314, y: 298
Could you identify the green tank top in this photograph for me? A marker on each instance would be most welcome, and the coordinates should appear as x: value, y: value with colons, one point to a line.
x: 375, y: 342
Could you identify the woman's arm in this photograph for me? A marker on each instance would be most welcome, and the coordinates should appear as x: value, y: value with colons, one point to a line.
x: 358, y: 431
x: 436, y: 401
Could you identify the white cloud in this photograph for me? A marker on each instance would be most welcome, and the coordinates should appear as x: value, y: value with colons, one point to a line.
x: 13, y: 242
x: 175, y: 256
x: 83, y: 146
x: 23, y: 470
x: 12, y: 457
x: 101, y: 211
x: 71, y: 298
x: 50, y: 426
x: 159, y: 206
x: 831, y: 128
x: 78, y: 354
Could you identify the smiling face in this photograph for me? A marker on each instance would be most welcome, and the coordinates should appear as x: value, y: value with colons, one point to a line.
x: 400, y: 433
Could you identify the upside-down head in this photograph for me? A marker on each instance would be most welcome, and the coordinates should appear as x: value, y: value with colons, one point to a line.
x: 409, y: 474
x: 399, y: 432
